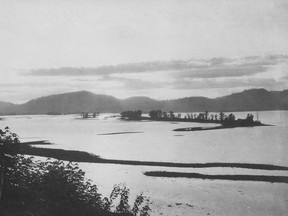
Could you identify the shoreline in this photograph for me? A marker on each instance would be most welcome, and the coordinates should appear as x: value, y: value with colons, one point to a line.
x: 258, y: 178
x: 214, y: 128
x: 223, y: 124
x: 81, y: 156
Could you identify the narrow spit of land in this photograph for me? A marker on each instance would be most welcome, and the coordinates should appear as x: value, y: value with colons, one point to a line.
x: 118, y: 133
x: 81, y: 156
x: 261, y: 178
x: 219, y: 124
x: 211, y: 128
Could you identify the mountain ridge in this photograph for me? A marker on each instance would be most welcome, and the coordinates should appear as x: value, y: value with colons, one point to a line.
x: 85, y: 101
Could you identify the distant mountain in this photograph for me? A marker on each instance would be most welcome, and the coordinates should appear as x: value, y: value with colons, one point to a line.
x: 141, y: 103
x: 5, y: 107
x: 74, y: 102
x: 83, y: 101
x: 253, y: 100
x: 190, y: 104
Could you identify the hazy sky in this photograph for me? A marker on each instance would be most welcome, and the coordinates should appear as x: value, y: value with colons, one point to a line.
x: 162, y: 49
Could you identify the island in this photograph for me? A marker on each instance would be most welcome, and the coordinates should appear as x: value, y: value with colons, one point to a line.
x: 221, y: 119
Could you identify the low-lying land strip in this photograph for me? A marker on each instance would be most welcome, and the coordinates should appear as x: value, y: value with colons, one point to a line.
x: 222, y: 122
x: 263, y: 178
x: 121, y: 133
x: 81, y: 156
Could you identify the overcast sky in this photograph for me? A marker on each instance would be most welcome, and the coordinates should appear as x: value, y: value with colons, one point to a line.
x: 161, y: 49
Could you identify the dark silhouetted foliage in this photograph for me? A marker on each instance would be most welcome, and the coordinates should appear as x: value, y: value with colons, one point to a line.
x: 8, y: 141
x: 156, y: 114
x: 132, y: 115
x: 58, y: 188
x: 221, y: 116
x: 249, y: 118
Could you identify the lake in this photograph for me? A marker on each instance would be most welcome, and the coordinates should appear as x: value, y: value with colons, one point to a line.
x: 156, y: 141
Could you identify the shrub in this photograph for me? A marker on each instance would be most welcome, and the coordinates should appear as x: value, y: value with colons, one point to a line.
x: 53, y: 187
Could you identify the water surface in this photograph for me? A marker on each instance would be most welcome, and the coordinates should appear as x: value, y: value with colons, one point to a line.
x: 156, y: 141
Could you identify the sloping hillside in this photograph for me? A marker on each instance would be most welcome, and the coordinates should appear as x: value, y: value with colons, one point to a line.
x: 6, y: 107
x: 254, y: 99
x: 190, y: 104
x: 141, y: 103
x: 83, y: 101
x: 74, y: 102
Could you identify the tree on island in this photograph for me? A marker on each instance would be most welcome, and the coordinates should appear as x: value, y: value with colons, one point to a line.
x: 132, y: 115
x: 201, y: 116
x: 191, y: 116
x: 206, y: 114
x: 171, y: 115
x: 221, y: 116
x: 212, y: 117
x: 250, y: 118
x: 165, y: 115
x: 155, y: 114
x: 231, y: 117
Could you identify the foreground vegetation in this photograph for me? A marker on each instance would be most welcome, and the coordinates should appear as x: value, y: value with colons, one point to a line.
x: 55, y: 188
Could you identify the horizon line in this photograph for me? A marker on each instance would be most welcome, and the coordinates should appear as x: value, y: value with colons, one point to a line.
x: 140, y: 96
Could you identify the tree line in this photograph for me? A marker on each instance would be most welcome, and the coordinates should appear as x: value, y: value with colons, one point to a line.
x: 132, y: 115
x: 221, y: 117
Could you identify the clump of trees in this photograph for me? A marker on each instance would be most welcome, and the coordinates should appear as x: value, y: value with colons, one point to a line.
x: 206, y: 116
x: 226, y: 120
x: 229, y: 119
x: 158, y: 114
x: 56, y: 188
x: 132, y: 115
x: 221, y: 117
x: 250, y: 118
